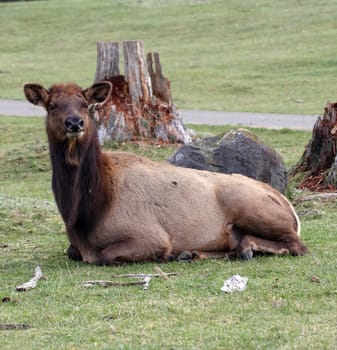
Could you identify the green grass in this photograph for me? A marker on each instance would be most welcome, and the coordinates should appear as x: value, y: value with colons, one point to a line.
x: 280, y: 309
x: 254, y: 55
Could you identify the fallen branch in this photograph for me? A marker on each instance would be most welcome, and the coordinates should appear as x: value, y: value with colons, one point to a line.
x: 32, y: 283
x: 100, y: 283
x: 143, y: 275
x: 326, y: 195
x: 145, y: 279
x: 161, y: 272
x: 14, y: 326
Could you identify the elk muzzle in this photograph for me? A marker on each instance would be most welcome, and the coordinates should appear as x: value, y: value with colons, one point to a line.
x: 74, y: 127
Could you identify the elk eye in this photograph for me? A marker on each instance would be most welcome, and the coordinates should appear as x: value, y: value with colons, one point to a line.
x: 52, y: 106
x: 84, y: 104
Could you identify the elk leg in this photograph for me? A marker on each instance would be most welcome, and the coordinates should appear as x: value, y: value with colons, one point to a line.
x: 250, y: 244
x: 189, y: 256
x: 234, y: 238
x: 296, y: 247
x: 131, y: 252
x: 73, y: 253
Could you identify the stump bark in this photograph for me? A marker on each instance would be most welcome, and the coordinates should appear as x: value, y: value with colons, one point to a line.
x: 107, y: 60
x: 140, y: 107
x: 318, y: 164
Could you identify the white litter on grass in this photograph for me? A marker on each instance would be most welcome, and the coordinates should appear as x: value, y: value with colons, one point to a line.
x: 32, y: 282
x: 235, y: 283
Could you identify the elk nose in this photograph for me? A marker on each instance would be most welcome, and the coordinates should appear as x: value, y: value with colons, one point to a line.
x: 74, y: 124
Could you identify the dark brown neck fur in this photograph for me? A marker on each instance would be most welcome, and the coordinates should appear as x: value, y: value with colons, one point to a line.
x: 79, y: 187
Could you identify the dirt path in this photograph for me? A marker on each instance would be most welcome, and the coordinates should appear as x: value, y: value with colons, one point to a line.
x: 266, y: 120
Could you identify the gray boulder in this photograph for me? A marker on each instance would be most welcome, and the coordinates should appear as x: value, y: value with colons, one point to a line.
x: 238, y: 151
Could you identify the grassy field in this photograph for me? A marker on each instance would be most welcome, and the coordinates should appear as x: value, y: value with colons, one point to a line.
x: 253, y: 55
x: 289, y: 303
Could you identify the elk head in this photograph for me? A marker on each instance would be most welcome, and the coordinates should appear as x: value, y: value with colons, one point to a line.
x: 68, y: 117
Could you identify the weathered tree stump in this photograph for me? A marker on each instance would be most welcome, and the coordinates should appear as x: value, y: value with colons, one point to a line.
x: 160, y: 85
x: 141, y: 107
x: 318, y: 164
x: 107, y: 60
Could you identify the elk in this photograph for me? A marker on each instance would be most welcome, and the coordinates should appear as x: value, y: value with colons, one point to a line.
x: 118, y: 207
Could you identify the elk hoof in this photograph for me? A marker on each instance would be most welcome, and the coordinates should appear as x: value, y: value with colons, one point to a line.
x: 74, y: 254
x: 171, y: 258
x: 188, y: 256
x: 185, y: 256
x: 246, y: 254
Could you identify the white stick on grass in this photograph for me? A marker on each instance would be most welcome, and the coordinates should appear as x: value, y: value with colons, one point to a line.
x: 31, y: 283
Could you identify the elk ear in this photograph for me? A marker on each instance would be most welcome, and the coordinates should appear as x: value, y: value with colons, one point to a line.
x: 36, y: 94
x: 98, y: 93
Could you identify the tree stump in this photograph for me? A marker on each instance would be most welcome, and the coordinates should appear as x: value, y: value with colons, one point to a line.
x: 140, y: 107
x: 107, y: 60
x: 318, y: 164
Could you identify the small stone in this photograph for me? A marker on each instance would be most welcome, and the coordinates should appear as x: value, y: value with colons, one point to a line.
x: 315, y: 279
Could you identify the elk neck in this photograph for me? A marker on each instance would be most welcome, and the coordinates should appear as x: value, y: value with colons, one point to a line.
x: 79, y: 182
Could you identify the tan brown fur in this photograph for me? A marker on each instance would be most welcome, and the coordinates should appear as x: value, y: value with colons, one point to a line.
x: 71, y: 155
x: 119, y: 207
